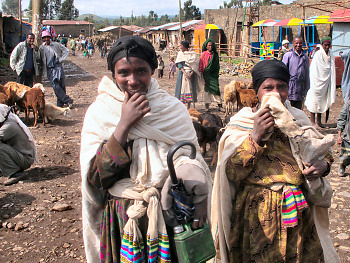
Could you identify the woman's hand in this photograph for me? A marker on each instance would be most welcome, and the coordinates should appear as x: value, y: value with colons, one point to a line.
x: 315, y: 169
x: 134, y: 109
x: 263, y: 122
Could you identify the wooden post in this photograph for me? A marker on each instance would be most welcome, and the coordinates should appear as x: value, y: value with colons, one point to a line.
x: 229, y: 48
x: 219, y: 42
x: 180, y: 21
x: 37, y: 27
x: 20, y: 20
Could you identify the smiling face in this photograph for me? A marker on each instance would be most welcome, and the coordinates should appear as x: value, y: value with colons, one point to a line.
x: 273, y: 85
x: 30, y: 40
x: 133, y: 75
x: 47, y: 39
x: 298, y: 44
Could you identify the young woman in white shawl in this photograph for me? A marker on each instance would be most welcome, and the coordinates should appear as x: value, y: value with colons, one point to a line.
x: 188, y: 78
x: 270, y: 197
x: 126, y: 135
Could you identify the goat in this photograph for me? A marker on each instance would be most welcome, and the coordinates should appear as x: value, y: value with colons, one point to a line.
x: 195, y: 115
x: 51, y: 112
x: 214, y: 126
x: 34, y: 99
x: 11, y: 96
x: 3, y: 98
x: 246, y: 97
x: 230, y: 96
x: 21, y: 89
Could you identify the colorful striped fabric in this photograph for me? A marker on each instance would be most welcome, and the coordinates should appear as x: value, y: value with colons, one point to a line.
x: 158, y: 249
x: 132, y: 251
x: 293, y: 203
x: 186, y: 97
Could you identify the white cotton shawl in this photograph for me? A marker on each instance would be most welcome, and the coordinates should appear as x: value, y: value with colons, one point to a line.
x: 224, y: 192
x: 167, y: 123
x: 3, y: 111
x: 322, y: 92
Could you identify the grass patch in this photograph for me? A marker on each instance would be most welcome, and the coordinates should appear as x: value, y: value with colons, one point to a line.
x: 234, y: 61
x: 4, y: 61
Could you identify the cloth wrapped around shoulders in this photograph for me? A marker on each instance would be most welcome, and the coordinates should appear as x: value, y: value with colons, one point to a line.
x: 306, y: 144
x: 167, y: 123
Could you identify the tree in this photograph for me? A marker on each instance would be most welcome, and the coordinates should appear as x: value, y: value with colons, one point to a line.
x: 191, y: 11
x: 68, y: 11
x: 51, y: 9
x: 10, y: 7
x: 232, y: 4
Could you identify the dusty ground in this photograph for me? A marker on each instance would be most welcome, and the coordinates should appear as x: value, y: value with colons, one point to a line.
x: 30, y: 231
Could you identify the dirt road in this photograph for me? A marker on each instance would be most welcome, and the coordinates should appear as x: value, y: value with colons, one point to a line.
x: 32, y: 231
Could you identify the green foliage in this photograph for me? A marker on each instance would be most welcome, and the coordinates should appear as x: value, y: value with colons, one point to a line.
x: 232, y: 4
x: 4, y: 61
x: 51, y: 9
x: 10, y: 7
x: 68, y: 11
x: 151, y: 20
x: 191, y: 11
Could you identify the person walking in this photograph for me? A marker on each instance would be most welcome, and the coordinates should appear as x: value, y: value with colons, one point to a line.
x: 52, y: 54
x: 23, y: 60
x: 345, y: 82
x: 160, y: 67
x: 209, y: 67
x: 72, y: 45
x: 298, y: 64
x: 17, y: 146
x: 322, y: 93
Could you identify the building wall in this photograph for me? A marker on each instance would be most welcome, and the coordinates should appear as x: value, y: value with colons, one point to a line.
x: 74, y: 30
x: 227, y: 19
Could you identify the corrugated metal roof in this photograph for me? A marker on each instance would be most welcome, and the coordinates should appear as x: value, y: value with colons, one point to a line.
x: 109, y: 28
x: 186, y: 24
x: 64, y: 22
x: 133, y: 28
x: 165, y: 26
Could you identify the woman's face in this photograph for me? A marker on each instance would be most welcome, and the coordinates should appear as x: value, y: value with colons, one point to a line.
x: 183, y: 49
x: 273, y: 85
x: 133, y: 75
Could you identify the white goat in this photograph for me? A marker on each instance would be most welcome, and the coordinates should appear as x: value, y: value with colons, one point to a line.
x: 51, y: 112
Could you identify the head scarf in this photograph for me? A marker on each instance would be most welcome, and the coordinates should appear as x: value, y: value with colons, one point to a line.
x: 186, y: 44
x: 204, y: 47
x: 269, y: 69
x: 132, y: 46
x: 326, y: 38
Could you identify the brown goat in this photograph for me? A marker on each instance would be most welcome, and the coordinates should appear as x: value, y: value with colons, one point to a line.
x: 11, y: 96
x: 246, y: 98
x: 195, y: 115
x: 33, y: 99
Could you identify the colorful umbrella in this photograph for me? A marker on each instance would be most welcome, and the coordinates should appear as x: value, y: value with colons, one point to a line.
x: 266, y: 22
x: 289, y: 22
x: 208, y: 26
x: 317, y: 20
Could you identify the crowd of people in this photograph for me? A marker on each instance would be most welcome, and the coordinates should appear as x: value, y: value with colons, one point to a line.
x: 270, y: 197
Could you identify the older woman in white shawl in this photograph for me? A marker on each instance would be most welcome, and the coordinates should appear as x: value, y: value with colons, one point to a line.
x: 321, y: 94
x: 267, y: 184
x: 126, y: 135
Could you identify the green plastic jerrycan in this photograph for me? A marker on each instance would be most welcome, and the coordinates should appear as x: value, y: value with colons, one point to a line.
x: 193, y: 246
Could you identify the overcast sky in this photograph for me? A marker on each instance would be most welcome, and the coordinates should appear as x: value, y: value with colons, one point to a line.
x: 138, y: 7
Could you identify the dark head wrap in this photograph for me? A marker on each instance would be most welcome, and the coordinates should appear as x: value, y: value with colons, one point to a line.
x: 132, y: 46
x: 269, y: 69
x: 326, y: 38
x: 186, y: 44
x: 204, y: 47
